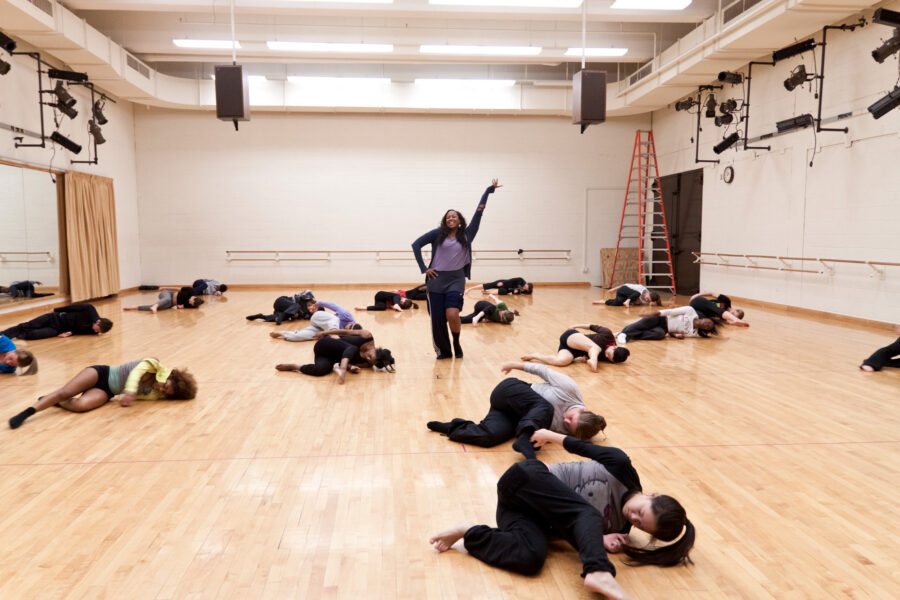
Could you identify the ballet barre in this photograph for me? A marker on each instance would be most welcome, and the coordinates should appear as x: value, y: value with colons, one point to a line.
x: 827, y: 264
x: 3, y: 257
x: 387, y: 255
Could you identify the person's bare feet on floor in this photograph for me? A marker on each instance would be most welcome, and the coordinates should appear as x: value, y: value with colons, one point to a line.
x: 444, y: 540
x: 287, y: 367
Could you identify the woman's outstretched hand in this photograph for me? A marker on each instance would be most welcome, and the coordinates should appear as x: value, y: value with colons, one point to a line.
x: 496, y: 183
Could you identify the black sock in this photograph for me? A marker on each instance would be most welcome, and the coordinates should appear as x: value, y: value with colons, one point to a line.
x: 523, y: 445
x: 439, y: 426
x: 17, y: 420
x: 457, y: 349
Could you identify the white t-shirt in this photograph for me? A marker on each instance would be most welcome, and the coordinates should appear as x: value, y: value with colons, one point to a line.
x: 681, y: 320
x: 636, y: 287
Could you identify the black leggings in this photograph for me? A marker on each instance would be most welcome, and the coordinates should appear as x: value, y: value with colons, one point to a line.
x: 480, y: 306
x: 381, y: 300
x: 648, y: 328
x: 328, y: 352
x: 889, y: 356
x: 622, y: 294
x: 516, y: 411
x: 706, y: 308
x: 39, y: 328
x: 530, y: 502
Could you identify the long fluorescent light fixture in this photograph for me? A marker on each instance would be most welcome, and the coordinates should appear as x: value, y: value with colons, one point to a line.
x: 206, y: 44
x: 466, y: 82
x: 511, y: 3
x: 330, y: 47
x: 480, y: 50
x: 651, y: 4
x: 597, y: 52
x: 339, y: 80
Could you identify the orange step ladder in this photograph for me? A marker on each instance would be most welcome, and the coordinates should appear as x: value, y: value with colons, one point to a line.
x: 644, y: 219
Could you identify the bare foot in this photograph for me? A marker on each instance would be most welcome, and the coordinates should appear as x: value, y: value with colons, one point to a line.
x: 867, y: 368
x: 445, y: 539
x: 276, y: 335
x: 341, y: 373
x: 154, y: 308
x: 527, y: 358
x: 287, y: 367
x: 593, y: 357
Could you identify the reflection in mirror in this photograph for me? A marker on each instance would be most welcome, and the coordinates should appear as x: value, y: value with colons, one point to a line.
x: 29, y: 235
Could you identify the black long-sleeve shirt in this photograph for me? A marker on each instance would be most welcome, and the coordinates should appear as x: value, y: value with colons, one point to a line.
x: 78, y: 318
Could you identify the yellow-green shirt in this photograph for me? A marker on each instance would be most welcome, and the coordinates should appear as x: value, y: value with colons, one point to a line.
x: 147, y: 365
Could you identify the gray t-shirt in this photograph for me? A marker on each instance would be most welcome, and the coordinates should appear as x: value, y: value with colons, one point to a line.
x: 560, y: 391
x: 119, y: 375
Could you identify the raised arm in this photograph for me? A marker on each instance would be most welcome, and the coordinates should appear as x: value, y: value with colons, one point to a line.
x: 363, y: 333
x: 704, y: 295
x: 554, y: 378
x: 475, y: 223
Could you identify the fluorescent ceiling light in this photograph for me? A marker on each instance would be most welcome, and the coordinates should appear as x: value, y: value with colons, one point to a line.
x: 329, y: 47
x: 651, y: 4
x: 257, y: 78
x: 339, y: 80
x: 206, y: 44
x: 466, y: 82
x: 595, y: 52
x: 480, y: 50
x: 512, y: 3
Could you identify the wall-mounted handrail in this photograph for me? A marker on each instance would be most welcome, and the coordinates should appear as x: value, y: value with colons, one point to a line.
x: 386, y: 255
x: 4, y: 259
x: 826, y: 263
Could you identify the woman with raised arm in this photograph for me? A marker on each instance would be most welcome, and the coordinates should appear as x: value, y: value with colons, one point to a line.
x: 186, y: 298
x: 717, y: 307
x: 629, y: 294
x: 495, y: 311
x: 592, y: 504
x: 144, y: 379
x: 592, y: 348
x: 451, y: 265
x: 343, y: 350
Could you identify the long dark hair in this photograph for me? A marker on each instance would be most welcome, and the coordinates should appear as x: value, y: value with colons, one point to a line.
x: 671, y: 521
x: 460, y: 231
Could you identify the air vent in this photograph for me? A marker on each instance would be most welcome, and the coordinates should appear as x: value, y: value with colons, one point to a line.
x: 737, y: 8
x: 44, y: 5
x: 138, y: 66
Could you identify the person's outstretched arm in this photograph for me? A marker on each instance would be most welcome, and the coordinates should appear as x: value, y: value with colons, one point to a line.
x: 363, y: 333
x: 475, y: 223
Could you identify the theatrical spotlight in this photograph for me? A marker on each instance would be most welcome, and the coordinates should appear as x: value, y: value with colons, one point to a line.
x: 66, y: 110
x: 711, y: 107
x: 726, y: 143
x: 795, y: 123
x: 886, y: 104
x: 4, y: 67
x: 98, y: 112
x: 62, y: 96
x: 65, y: 142
x: 889, y: 47
x: 724, y: 119
x: 883, y: 16
x: 685, y: 104
x: 733, y: 78
x: 67, y: 75
x: 798, y: 77
x: 7, y: 43
x: 729, y: 106
x: 794, y: 50
x: 95, y: 131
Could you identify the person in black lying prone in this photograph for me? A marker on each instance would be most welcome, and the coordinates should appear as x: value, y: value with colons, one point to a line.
x: 289, y: 308
x: 24, y: 289
x: 75, y: 319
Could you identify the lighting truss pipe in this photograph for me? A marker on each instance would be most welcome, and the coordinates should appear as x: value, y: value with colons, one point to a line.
x: 747, y: 106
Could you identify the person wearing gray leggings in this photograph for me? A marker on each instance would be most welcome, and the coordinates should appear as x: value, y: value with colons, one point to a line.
x: 168, y: 299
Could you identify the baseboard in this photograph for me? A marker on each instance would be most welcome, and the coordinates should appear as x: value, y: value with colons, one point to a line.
x: 813, y: 314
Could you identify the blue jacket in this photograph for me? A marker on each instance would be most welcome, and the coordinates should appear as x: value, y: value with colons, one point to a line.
x: 432, y: 236
x: 6, y: 345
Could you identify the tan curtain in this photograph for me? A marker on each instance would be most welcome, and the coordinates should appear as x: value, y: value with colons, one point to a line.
x: 91, y: 236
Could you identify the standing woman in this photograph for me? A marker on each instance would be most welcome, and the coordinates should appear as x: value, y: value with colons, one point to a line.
x: 451, y: 264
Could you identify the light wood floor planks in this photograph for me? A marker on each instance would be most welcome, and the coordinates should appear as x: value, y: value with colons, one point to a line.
x: 278, y: 485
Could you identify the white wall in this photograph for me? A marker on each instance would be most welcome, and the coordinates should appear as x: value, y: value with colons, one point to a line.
x: 846, y: 206
x: 19, y: 107
x: 340, y: 182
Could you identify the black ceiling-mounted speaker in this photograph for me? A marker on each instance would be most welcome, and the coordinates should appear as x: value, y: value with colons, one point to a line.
x: 232, y: 94
x: 588, y: 98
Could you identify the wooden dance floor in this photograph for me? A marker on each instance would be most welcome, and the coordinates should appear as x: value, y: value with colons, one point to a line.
x: 278, y: 485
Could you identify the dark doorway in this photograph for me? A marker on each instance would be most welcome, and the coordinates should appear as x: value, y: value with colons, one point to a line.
x: 683, y: 202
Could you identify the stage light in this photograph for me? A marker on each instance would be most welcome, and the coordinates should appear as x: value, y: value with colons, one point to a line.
x: 711, y: 107
x: 685, y: 104
x: 887, y: 17
x: 726, y: 143
x: 724, y: 119
x: 66, y: 110
x: 886, y: 104
x: 889, y: 47
x: 67, y: 75
x: 65, y: 142
x: 62, y: 96
x: 794, y: 50
x: 795, y: 123
x: 798, y: 77
x: 95, y: 131
x: 4, y: 67
x: 729, y: 106
x: 98, y: 112
x: 7, y: 42
x: 733, y: 78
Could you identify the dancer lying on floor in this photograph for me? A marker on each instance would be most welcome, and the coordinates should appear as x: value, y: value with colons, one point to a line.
x: 387, y: 300
x: 346, y: 352
x: 498, y: 313
x: 678, y: 322
x: 573, y: 345
x: 186, y: 298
